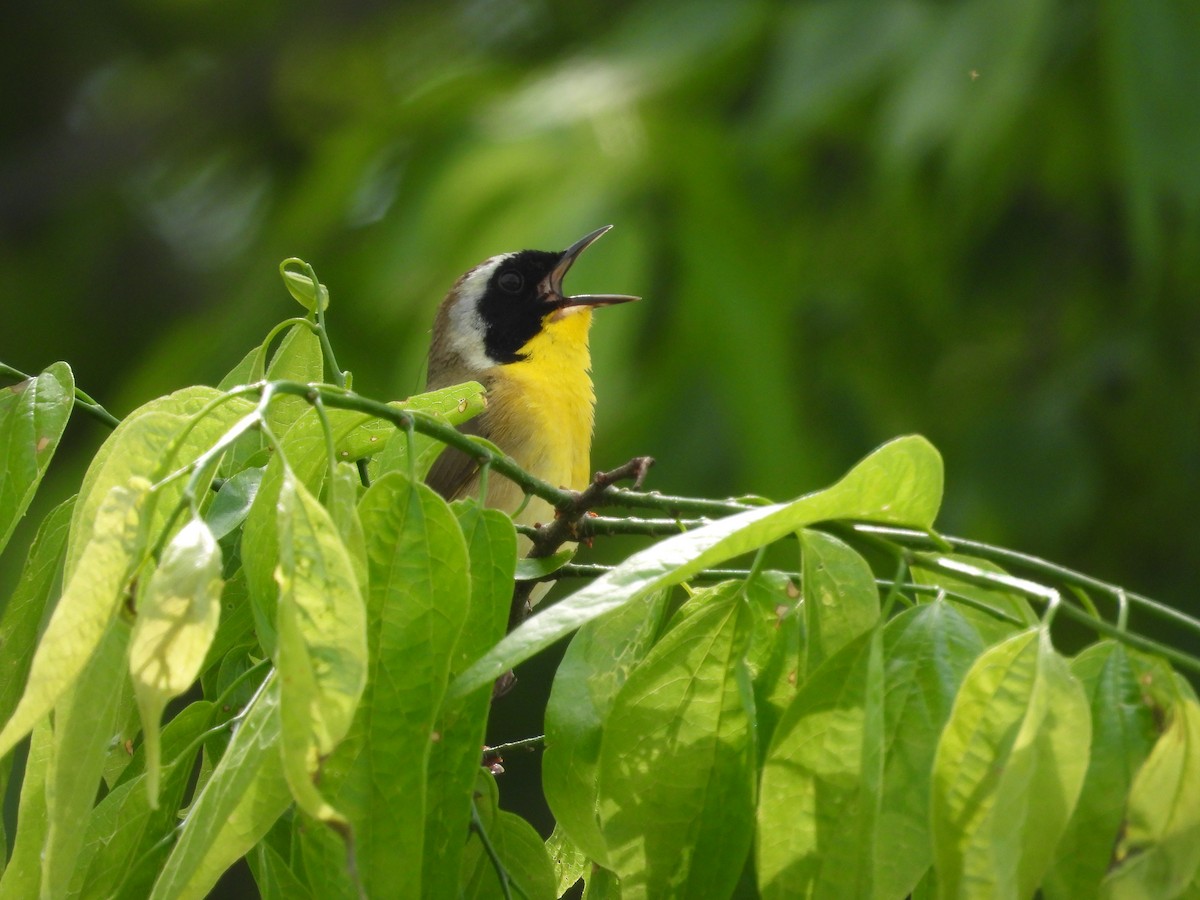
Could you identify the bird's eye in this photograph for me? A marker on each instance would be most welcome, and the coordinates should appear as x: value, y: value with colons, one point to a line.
x: 511, y: 281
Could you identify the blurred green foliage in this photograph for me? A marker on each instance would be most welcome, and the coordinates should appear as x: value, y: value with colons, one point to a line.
x: 979, y: 221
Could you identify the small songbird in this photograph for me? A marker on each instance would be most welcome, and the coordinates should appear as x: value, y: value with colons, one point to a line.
x: 508, y: 325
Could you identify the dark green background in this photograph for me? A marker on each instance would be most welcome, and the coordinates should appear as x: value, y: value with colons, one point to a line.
x: 849, y: 220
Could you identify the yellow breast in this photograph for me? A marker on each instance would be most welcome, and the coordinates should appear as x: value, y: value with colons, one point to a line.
x: 541, y: 411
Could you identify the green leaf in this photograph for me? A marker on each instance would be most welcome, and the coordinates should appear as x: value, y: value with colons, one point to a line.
x: 276, y: 879
x: 927, y: 651
x: 568, y: 860
x: 123, y: 840
x: 819, y: 796
x: 244, y: 797
x: 148, y: 443
x: 322, y: 655
x: 26, y: 606
x: 302, y: 288
x: 33, y: 416
x: 321, y: 852
x: 84, y: 722
x: 232, y: 503
x: 899, y: 484
x: 840, y: 598
x: 1124, y: 729
x: 1159, y: 849
x: 601, y: 884
x: 235, y: 627
x: 530, y: 568
x: 1008, y: 769
x: 519, y: 848
x: 23, y: 613
x: 776, y: 654
x: 298, y: 358
x: 460, y: 728
x: 451, y: 406
x: 177, y: 616
x: 304, y: 449
x: 342, y: 496
x: 677, y: 761
x: 594, y: 668
x: 417, y: 606
x: 85, y: 609
x: 243, y: 373
x: 23, y: 875
x: 992, y: 628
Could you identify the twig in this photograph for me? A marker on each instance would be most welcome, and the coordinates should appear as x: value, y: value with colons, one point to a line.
x: 82, y: 400
x: 567, y: 524
x: 523, y: 743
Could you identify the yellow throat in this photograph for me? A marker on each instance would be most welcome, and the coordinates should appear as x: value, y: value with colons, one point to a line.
x: 541, y: 411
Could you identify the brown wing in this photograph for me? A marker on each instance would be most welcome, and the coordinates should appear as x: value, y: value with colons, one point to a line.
x: 454, y: 471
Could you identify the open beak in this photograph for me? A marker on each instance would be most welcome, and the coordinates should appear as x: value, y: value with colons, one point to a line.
x: 552, y: 285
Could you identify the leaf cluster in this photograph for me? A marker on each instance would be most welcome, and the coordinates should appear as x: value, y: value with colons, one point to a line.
x: 294, y: 642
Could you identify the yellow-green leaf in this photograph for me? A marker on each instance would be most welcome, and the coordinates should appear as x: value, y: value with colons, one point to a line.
x: 1008, y: 770
x: 1159, y: 849
x: 898, y: 484
x: 91, y: 598
x: 177, y: 616
x: 322, y: 653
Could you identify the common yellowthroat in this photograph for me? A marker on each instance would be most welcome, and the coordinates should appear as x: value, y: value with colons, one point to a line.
x: 507, y: 324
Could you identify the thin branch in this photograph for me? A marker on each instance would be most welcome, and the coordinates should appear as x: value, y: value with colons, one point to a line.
x: 506, y: 881
x: 82, y: 400
x: 569, y: 525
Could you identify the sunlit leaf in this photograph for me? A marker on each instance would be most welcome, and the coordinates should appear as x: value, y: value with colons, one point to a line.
x: 322, y: 656
x: 677, y: 761
x: 840, y: 598
x: 454, y: 757
x: 451, y: 406
x: 23, y: 874
x: 245, y: 795
x: 147, y: 440
x: 417, y: 606
x: 305, y: 449
x: 594, y: 668
x: 177, y: 616
x: 122, y: 843
x: 568, y: 860
x: 1120, y: 687
x: 85, y: 609
x: 84, y: 720
x: 229, y: 508
x: 1008, y: 770
x: 993, y: 627
x: 819, y: 803
x: 775, y: 657
x: 298, y: 358
x: 33, y: 416
x: 927, y: 651
x: 900, y: 483
x: 1158, y: 851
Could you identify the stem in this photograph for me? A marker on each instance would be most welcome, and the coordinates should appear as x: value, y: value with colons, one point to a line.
x: 339, y: 377
x: 82, y: 400
x: 522, y: 744
x: 1041, y: 567
x: 506, y: 882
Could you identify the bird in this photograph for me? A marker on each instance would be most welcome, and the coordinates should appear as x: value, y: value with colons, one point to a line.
x: 507, y: 324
